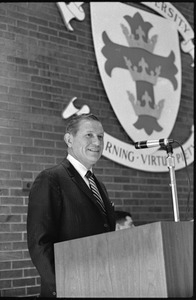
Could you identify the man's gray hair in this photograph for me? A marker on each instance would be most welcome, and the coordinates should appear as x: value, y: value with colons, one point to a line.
x: 73, y: 124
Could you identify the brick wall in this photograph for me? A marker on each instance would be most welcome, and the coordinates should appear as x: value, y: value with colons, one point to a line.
x: 42, y: 66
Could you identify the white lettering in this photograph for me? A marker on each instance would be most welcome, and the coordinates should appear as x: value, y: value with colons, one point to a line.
x: 140, y: 159
x: 153, y: 160
x: 167, y: 10
x: 117, y: 151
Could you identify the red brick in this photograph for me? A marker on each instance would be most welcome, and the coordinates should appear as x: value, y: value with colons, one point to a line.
x: 10, y: 237
x: 11, y: 274
x: 5, y: 265
x: 22, y: 264
x: 5, y: 284
x: 13, y: 292
x: 30, y: 272
x: 10, y: 255
x: 24, y: 282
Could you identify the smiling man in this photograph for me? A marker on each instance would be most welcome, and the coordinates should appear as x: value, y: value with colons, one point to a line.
x: 65, y: 203
x: 84, y: 138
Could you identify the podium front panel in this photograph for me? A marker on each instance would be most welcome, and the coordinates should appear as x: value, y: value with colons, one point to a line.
x: 134, y: 262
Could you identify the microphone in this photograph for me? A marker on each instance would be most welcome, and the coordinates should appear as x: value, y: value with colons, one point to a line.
x: 153, y: 143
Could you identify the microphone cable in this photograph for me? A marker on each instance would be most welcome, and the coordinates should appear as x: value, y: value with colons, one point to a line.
x: 189, y: 182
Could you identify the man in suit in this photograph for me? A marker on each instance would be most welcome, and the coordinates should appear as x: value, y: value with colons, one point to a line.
x: 61, y: 204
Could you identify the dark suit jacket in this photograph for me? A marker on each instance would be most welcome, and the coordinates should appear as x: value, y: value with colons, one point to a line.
x: 62, y: 207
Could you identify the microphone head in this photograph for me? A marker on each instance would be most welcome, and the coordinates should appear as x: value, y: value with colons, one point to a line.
x: 153, y: 143
x: 136, y: 145
x: 140, y: 145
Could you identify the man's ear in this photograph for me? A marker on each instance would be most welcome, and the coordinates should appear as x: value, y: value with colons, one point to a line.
x: 68, y: 139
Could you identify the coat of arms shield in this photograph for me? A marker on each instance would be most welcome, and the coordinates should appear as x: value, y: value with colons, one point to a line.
x: 139, y: 62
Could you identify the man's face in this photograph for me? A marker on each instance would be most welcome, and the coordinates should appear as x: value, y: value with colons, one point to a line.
x: 87, y: 145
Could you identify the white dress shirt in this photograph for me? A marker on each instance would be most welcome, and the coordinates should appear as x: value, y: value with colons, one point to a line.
x: 79, y: 167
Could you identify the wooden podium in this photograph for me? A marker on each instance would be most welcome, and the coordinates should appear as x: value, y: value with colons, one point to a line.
x: 152, y: 260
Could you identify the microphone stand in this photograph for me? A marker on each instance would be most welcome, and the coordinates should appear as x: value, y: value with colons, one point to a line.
x: 171, y: 166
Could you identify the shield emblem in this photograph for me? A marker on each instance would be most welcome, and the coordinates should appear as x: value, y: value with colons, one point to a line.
x: 139, y: 62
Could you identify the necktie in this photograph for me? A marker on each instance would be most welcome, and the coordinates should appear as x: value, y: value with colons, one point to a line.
x: 95, y: 190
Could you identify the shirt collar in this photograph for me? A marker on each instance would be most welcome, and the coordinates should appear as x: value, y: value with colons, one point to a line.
x: 77, y: 165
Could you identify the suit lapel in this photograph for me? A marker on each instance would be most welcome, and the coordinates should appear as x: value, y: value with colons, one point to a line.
x: 79, y: 181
